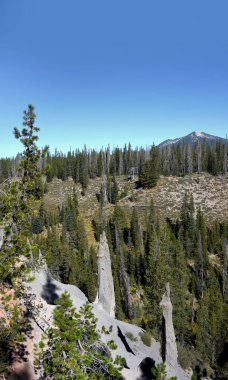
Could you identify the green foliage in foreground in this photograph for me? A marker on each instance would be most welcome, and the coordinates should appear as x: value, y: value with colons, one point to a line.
x: 159, y: 373
x: 16, y: 205
x: 71, y: 349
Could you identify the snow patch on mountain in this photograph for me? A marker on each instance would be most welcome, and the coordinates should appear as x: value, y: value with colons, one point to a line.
x: 192, y: 138
x: 199, y: 134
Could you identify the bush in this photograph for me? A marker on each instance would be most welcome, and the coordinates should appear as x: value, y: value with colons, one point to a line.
x: 131, y: 336
x: 145, y: 338
x: 186, y: 356
x: 124, y: 193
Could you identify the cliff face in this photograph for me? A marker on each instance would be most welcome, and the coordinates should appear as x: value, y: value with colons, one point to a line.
x: 106, y: 295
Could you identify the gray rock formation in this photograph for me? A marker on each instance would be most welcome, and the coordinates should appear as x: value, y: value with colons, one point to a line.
x: 106, y: 295
x: 170, y: 339
x: 1, y: 235
x: 42, y: 316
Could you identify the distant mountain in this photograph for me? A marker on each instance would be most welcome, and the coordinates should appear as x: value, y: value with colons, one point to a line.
x: 192, y: 138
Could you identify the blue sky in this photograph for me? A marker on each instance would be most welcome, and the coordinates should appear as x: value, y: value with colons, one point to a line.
x: 109, y: 72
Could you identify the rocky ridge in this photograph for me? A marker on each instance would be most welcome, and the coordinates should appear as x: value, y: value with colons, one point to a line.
x: 44, y: 289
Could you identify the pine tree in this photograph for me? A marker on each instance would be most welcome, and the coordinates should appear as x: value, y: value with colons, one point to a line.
x: 16, y: 205
x: 53, y: 252
x: 201, y: 252
x: 137, y: 252
x: 83, y: 172
x: 155, y: 277
x: 71, y: 347
x: 187, y: 230
x: 179, y: 279
x: 210, y: 320
x: 150, y: 169
x: 114, y: 191
x: 225, y: 270
x: 159, y: 373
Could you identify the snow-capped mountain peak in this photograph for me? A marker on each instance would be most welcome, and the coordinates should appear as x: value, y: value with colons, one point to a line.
x: 192, y: 138
x: 199, y: 134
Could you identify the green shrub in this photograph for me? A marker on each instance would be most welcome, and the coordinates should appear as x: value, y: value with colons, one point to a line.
x: 145, y: 338
x: 186, y: 356
x: 131, y: 336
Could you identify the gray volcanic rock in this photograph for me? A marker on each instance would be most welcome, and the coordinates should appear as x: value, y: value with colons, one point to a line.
x: 106, y: 294
x: 45, y: 289
x: 171, y: 354
x: 170, y: 339
x: 1, y: 235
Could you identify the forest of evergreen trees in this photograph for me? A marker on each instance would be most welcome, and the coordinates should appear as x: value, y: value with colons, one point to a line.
x: 71, y: 348
x: 177, y: 159
x: 145, y: 255
x: 146, y: 252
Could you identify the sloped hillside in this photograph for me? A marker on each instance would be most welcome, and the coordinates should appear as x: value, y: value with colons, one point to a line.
x: 209, y: 192
x: 59, y: 190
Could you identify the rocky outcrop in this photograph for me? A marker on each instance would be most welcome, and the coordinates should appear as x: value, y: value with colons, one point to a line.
x: 1, y: 235
x: 170, y: 339
x: 106, y: 295
x: 119, y: 330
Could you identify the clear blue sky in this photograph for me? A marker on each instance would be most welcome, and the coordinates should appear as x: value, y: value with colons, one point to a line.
x: 109, y: 72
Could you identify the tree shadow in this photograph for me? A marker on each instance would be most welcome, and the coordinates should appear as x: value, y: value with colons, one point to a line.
x: 138, y: 185
x: 223, y: 357
x: 96, y: 230
x: 146, y: 367
x: 49, y: 291
x: 163, y: 340
x: 124, y: 341
x: 21, y: 372
x: 19, y: 352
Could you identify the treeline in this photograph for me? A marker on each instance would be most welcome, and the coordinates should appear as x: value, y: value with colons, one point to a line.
x: 177, y: 159
x: 145, y: 255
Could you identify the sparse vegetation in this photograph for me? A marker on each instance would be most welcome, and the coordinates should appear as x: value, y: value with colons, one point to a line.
x: 70, y: 349
x: 131, y: 336
x: 146, y: 338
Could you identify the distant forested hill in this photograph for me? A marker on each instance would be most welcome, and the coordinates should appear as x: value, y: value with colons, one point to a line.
x: 197, y: 152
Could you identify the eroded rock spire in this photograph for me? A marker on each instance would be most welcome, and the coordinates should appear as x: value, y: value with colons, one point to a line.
x: 106, y: 294
x: 170, y: 339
